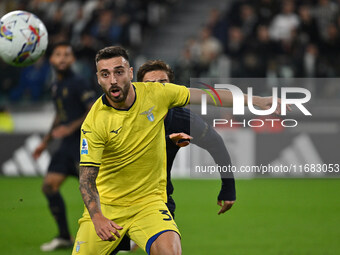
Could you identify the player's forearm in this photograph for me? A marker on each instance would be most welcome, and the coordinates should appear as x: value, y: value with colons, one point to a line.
x: 88, y: 189
x: 228, y: 191
x: 75, y: 125
x: 48, y: 136
x: 207, y: 138
x: 213, y: 143
x: 227, y: 98
x: 255, y: 99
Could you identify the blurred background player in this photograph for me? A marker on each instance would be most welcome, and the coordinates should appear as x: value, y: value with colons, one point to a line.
x: 73, y: 99
x: 178, y: 124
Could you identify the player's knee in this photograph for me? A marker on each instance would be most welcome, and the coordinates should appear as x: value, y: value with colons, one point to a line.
x: 49, y: 189
x: 173, y: 249
x: 167, y: 243
x: 52, y: 183
x: 46, y: 189
x: 166, y: 250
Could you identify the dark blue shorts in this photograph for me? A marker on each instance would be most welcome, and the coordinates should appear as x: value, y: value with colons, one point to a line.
x: 66, y: 159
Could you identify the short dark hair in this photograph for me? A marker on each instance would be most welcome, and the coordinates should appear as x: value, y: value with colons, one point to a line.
x: 112, y: 52
x: 58, y: 44
x: 155, y: 65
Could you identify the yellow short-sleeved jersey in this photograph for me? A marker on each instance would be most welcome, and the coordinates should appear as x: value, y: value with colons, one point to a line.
x: 128, y: 146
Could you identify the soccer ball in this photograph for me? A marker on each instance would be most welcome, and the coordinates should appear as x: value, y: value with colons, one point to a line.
x: 23, y: 38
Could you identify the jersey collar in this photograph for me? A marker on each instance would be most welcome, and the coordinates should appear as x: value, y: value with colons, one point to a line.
x: 106, y: 102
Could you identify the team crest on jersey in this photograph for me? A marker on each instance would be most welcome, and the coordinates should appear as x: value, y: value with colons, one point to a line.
x: 78, y: 245
x: 149, y: 114
x: 65, y: 92
x: 84, y: 147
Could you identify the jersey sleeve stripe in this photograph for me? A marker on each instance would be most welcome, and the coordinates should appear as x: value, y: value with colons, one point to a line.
x: 89, y: 163
x: 186, y: 101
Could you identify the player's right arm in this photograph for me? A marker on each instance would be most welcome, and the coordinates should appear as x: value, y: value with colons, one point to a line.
x: 88, y: 189
x: 207, y: 138
x: 226, y: 97
x: 210, y: 140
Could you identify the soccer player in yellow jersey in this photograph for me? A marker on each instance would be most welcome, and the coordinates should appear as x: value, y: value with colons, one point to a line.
x: 123, y: 161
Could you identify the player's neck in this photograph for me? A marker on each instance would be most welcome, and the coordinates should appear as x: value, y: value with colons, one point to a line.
x: 62, y: 74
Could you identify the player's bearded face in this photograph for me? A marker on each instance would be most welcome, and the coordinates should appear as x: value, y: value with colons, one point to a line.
x: 62, y: 58
x: 118, y: 93
x: 114, y: 76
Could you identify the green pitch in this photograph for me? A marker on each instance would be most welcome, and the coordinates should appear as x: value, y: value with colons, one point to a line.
x: 271, y: 216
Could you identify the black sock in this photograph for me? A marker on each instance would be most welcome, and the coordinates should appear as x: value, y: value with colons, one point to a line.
x: 57, y: 208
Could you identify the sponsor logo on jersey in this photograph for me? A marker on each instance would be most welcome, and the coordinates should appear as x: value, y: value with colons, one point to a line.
x: 84, y: 147
x: 115, y: 131
x: 149, y: 114
x: 85, y: 131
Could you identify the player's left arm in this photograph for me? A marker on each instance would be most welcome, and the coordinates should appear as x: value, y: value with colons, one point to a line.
x: 264, y: 103
x: 66, y: 130
x: 207, y: 138
x: 227, y: 195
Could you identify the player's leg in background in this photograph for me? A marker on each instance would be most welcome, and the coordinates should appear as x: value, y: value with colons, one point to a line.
x: 51, y: 189
x: 124, y: 245
x: 168, y: 243
x: 171, y: 206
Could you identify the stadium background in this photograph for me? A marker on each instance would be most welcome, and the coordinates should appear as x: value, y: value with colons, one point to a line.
x: 262, y: 38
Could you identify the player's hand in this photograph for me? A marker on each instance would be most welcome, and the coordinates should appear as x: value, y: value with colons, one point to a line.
x: 226, y: 205
x: 61, y: 131
x: 106, y: 229
x: 265, y: 103
x: 180, y: 139
x: 36, y: 154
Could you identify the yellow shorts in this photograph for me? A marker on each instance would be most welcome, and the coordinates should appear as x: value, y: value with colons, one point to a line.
x: 143, y: 223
